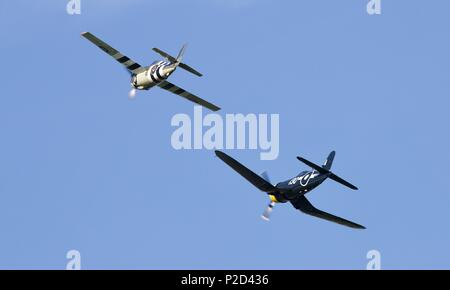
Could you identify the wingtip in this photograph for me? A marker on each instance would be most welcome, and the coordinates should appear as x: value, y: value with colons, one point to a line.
x: 355, y: 226
x: 358, y: 226
x: 302, y: 159
x: 265, y: 218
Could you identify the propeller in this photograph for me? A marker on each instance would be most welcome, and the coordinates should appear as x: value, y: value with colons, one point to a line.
x: 132, y: 94
x: 266, y: 177
x: 266, y: 214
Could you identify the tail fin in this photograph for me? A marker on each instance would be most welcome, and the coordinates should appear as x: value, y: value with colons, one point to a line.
x: 178, y: 59
x: 329, y: 161
x: 181, y: 53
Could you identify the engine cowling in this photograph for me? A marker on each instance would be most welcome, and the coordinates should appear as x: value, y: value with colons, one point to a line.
x: 153, y: 75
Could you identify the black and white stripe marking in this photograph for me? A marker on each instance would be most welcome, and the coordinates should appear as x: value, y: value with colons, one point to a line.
x: 127, y: 62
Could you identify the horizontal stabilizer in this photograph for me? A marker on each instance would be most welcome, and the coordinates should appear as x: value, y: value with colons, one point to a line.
x: 165, y: 55
x: 342, y: 181
x: 330, y: 174
x: 177, y: 60
x: 314, y: 166
x: 189, y: 69
x: 302, y: 204
x: 252, y: 177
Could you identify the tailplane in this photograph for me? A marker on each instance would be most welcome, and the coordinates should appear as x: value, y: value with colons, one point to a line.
x: 323, y: 170
x: 178, y: 59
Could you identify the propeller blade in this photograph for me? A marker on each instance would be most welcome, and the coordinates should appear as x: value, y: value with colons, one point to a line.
x: 132, y: 94
x: 266, y: 177
x: 266, y: 214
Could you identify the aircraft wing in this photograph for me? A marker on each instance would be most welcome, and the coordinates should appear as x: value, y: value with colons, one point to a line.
x: 302, y: 204
x: 252, y: 177
x: 185, y: 94
x: 132, y: 66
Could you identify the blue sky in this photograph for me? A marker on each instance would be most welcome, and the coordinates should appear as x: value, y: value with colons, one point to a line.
x: 82, y: 167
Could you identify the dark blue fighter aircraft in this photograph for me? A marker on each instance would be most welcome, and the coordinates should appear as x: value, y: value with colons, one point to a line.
x: 294, y: 189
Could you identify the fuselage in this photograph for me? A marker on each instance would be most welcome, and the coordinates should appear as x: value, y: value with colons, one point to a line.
x: 153, y: 75
x: 299, y: 185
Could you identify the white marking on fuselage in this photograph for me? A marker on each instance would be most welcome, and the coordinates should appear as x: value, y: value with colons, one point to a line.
x: 304, y: 179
